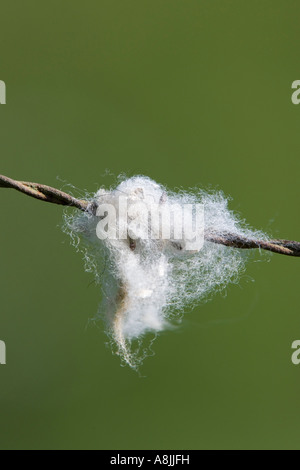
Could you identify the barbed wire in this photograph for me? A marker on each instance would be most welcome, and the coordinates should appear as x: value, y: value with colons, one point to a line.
x: 55, y: 196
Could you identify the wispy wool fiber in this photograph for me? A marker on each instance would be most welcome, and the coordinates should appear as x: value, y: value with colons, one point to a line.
x: 146, y: 286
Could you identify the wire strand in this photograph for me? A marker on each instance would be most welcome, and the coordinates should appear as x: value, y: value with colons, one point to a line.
x: 55, y: 196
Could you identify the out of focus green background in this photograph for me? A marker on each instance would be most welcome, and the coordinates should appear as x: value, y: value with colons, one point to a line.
x: 188, y: 93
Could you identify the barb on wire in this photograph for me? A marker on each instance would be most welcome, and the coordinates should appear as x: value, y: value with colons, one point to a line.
x: 55, y: 196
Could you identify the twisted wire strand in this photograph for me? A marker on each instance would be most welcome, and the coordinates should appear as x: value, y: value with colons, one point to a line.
x: 44, y: 193
x: 55, y: 196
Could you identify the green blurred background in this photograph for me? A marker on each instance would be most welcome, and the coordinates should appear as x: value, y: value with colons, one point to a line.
x: 189, y: 93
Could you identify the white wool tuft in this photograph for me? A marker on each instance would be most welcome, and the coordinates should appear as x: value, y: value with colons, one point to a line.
x: 145, y: 289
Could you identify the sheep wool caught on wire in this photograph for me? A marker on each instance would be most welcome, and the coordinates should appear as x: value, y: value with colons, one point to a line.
x: 147, y: 282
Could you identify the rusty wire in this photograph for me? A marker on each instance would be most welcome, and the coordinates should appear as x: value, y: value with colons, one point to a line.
x: 55, y: 196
